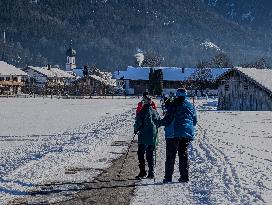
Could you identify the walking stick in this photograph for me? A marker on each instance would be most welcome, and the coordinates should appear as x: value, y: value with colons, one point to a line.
x: 155, y: 161
x: 155, y: 158
x: 124, y: 161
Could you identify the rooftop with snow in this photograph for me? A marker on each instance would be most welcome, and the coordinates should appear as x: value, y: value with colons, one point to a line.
x: 261, y: 76
x: 169, y: 73
x: 51, y: 72
x: 7, y: 70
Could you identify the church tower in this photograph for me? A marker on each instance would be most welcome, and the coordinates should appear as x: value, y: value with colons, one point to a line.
x: 71, y: 58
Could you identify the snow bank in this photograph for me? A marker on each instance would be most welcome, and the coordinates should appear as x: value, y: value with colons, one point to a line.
x: 58, y: 141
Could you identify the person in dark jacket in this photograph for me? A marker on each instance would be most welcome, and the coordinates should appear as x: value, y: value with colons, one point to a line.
x: 141, y: 103
x: 167, y: 101
x: 179, y: 122
x: 146, y: 125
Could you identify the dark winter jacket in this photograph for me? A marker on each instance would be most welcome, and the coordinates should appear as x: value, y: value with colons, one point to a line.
x: 180, y: 119
x: 147, y: 125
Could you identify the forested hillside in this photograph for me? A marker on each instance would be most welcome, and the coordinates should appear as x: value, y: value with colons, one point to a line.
x: 252, y: 13
x: 109, y: 32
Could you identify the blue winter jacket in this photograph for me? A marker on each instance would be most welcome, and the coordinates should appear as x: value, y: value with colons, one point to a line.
x: 180, y: 119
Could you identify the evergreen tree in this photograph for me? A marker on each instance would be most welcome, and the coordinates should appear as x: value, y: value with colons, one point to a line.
x: 85, y: 71
x: 155, y: 81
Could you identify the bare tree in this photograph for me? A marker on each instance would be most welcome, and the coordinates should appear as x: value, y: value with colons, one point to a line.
x: 152, y: 60
x: 202, y: 77
x: 261, y: 64
x: 221, y: 60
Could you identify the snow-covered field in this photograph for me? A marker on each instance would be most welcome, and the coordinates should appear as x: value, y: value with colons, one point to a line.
x: 38, y: 116
x: 49, y: 141
x: 58, y: 141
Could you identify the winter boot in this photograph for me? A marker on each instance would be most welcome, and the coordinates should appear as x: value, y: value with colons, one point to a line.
x: 150, y: 175
x: 183, y: 180
x: 165, y: 181
x: 141, y: 175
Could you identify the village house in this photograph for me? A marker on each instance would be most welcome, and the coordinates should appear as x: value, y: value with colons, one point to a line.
x: 246, y: 89
x: 47, y: 80
x: 136, y: 80
x: 12, y: 79
x: 94, y: 82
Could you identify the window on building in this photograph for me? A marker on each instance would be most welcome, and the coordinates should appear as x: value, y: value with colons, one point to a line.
x: 245, y: 87
x: 7, y: 78
x: 2, y: 78
x: 226, y: 87
x: 15, y: 79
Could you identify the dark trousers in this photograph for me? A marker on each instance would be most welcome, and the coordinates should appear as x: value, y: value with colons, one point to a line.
x: 174, y: 145
x: 148, y: 150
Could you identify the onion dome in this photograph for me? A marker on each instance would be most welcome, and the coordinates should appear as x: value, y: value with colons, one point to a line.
x: 71, y: 52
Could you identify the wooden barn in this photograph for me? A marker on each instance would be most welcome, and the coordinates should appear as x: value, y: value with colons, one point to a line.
x: 92, y: 85
x: 246, y: 89
x: 94, y: 82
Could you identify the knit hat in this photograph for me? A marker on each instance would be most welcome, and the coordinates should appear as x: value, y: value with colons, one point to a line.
x: 145, y: 94
x: 181, y: 92
x: 147, y: 100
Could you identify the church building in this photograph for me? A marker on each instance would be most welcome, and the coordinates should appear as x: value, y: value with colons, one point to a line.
x: 71, y: 59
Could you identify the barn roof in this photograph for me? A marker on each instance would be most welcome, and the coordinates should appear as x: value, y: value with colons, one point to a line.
x: 106, y: 81
x: 262, y: 76
x: 7, y: 69
x: 169, y: 73
x: 52, y: 72
x: 103, y: 77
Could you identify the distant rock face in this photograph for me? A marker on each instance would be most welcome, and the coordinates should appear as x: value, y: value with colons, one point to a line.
x: 109, y: 32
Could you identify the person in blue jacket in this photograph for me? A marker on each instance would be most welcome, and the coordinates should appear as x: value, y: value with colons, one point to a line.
x: 179, y: 122
x: 146, y: 126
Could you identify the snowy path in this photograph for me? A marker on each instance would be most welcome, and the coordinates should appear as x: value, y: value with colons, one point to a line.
x: 75, y: 155
x: 230, y: 163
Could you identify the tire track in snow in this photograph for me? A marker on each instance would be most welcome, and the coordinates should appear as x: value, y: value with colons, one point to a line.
x: 210, y: 171
x: 235, y: 183
x: 220, y: 176
x: 220, y: 166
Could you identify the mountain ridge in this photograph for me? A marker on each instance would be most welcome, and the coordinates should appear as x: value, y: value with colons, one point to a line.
x: 108, y: 33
